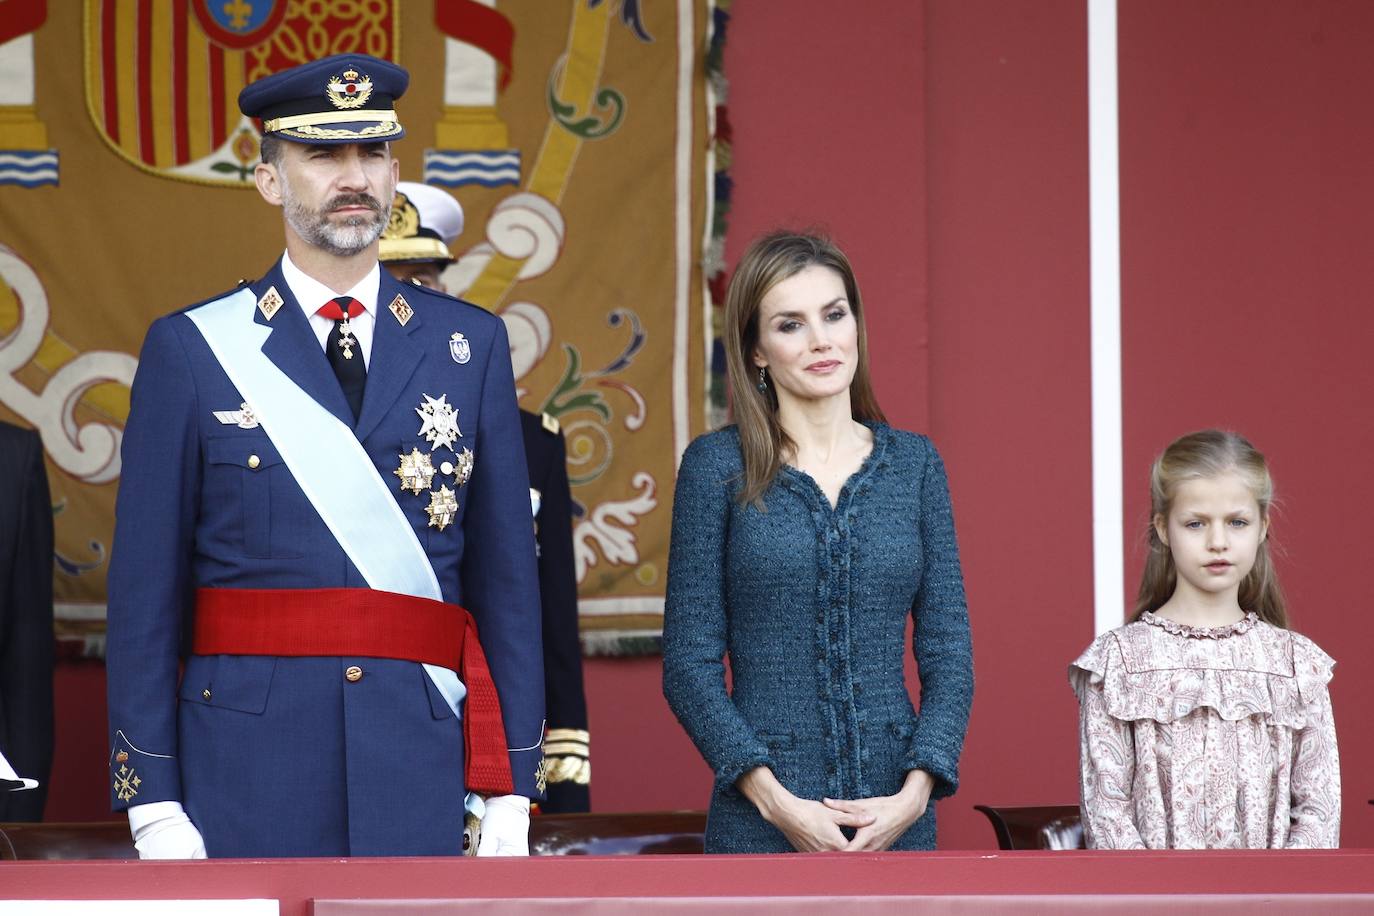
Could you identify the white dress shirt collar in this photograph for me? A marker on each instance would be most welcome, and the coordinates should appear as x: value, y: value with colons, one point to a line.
x: 311, y: 293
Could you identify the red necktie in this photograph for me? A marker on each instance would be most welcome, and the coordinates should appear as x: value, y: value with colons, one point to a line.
x: 344, y: 353
x: 333, y: 309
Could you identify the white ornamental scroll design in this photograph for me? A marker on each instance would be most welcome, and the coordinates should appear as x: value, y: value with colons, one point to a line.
x: 524, y: 227
x: 602, y: 530
x: 89, y: 451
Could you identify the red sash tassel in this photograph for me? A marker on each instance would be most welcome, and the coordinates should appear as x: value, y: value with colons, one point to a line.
x: 373, y: 624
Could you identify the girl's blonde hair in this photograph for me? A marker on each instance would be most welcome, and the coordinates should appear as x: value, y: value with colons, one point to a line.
x: 1210, y: 453
x: 766, y: 263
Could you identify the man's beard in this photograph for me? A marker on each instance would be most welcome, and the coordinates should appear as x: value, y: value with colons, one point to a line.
x: 342, y: 239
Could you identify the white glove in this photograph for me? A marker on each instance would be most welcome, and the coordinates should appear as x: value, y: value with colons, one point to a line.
x: 505, y: 827
x: 162, y: 830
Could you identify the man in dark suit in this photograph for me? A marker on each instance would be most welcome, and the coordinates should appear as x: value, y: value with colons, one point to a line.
x: 316, y: 498
x: 26, y: 633
x: 415, y: 248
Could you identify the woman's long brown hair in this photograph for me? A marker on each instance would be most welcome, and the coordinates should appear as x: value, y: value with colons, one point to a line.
x: 1210, y: 453
x: 767, y: 262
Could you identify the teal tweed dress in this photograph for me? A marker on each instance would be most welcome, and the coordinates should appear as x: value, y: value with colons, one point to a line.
x: 810, y: 603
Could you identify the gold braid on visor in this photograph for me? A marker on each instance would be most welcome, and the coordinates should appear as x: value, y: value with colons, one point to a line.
x: 288, y: 122
x: 414, y: 249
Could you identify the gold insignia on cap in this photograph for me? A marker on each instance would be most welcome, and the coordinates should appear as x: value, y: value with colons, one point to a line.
x: 122, y: 756
x: 349, y: 89
x: 126, y: 783
x: 401, y: 309
x: 550, y: 423
x: 416, y: 471
x: 404, y: 221
x: 269, y: 303
x: 442, y: 508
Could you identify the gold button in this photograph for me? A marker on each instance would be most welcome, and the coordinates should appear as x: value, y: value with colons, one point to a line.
x: 254, y: 461
x: 206, y: 693
x: 354, y: 673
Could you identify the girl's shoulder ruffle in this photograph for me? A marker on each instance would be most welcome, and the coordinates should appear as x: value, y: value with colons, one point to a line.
x: 1145, y: 671
x: 1310, y: 663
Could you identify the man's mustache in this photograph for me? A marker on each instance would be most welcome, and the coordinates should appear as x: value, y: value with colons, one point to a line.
x: 355, y: 200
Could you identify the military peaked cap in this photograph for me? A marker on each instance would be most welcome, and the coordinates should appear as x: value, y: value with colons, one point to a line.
x: 346, y: 98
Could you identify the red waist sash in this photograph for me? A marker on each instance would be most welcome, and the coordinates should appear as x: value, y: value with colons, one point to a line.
x: 373, y: 624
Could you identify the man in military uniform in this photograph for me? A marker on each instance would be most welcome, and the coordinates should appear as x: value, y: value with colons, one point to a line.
x: 425, y: 221
x: 316, y: 514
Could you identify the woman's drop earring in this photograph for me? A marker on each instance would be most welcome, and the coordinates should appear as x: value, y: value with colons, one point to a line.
x: 763, y: 380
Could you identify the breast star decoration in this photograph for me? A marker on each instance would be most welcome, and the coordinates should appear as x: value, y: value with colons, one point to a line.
x: 443, y: 506
x: 439, y: 422
x: 462, y: 469
x: 416, y: 471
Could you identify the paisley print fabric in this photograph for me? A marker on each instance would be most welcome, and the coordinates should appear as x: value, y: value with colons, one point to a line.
x: 1194, y: 738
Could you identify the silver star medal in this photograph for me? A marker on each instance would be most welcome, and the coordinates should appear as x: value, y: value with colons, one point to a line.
x: 439, y: 422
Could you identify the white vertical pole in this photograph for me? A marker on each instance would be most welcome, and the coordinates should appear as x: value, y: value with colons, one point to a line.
x: 682, y: 164
x: 1105, y: 234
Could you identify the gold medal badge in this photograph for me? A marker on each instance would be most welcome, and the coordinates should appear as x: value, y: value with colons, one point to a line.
x: 442, y: 508
x: 416, y: 471
x: 461, y: 469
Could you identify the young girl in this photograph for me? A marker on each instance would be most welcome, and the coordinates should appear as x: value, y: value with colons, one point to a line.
x: 1205, y: 721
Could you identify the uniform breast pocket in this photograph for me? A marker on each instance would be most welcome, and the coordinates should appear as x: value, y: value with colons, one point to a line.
x: 248, y: 473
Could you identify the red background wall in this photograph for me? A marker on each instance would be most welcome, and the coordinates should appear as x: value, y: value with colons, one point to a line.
x: 944, y: 144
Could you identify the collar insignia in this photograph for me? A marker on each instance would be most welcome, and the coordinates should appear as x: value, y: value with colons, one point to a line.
x: 269, y: 303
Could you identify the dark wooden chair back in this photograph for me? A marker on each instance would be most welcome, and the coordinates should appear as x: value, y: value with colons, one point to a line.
x: 1044, y: 827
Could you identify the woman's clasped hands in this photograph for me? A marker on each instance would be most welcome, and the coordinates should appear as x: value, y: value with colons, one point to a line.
x: 814, y: 826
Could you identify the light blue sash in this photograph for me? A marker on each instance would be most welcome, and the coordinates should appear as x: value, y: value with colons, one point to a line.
x: 346, y: 490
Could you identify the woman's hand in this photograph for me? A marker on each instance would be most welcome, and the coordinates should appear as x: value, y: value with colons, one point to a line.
x: 808, y: 825
x: 889, y: 815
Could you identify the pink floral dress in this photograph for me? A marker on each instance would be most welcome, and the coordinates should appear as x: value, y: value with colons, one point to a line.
x: 1196, y: 738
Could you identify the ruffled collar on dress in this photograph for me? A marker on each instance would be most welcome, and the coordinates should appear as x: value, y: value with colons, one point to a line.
x: 1244, y: 625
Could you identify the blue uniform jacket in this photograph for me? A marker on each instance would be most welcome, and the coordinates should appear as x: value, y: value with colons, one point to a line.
x: 286, y: 756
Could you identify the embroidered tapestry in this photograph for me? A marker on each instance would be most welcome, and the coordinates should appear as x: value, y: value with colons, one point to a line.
x: 576, y: 134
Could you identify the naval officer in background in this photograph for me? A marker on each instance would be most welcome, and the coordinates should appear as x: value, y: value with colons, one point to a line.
x: 27, y: 647
x: 316, y: 515
x: 416, y: 247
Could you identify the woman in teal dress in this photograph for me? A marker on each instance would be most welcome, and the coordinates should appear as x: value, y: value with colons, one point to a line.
x: 803, y: 537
